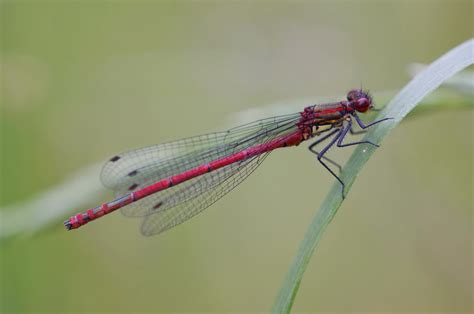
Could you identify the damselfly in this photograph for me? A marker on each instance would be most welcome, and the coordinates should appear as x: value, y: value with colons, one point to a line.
x: 172, y: 182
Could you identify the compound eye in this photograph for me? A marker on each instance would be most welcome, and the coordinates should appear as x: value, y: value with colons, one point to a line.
x: 363, y: 105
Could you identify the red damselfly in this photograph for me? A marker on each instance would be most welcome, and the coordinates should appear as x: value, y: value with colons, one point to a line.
x: 172, y: 182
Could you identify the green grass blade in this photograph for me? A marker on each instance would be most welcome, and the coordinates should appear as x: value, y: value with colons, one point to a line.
x: 423, y: 84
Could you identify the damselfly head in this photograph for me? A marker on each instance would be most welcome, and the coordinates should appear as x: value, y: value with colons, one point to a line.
x: 360, y: 100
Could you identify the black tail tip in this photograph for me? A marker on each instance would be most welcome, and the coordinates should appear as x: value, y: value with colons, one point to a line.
x: 68, y: 225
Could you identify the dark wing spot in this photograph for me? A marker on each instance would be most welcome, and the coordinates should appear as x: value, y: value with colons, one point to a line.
x: 134, y: 172
x: 133, y: 187
x: 115, y: 158
x: 157, y: 205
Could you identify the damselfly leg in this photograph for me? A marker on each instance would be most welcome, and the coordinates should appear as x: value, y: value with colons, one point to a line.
x: 344, y: 133
x: 364, y: 126
x: 320, y: 155
x: 339, y: 135
x: 311, y: 149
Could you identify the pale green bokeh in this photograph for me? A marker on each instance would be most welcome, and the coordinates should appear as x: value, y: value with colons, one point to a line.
x: 84, y: 80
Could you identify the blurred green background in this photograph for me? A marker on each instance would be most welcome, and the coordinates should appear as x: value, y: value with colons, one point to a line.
x: 84, y: 80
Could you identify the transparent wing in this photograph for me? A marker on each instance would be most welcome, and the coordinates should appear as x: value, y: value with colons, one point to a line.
x: 191, y: 188
x: 141, y: 167
x: 198, y: 194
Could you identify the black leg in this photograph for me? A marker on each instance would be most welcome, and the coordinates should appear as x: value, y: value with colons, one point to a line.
x: 311, y: 149
x: 344, y: 133
x: 324, y: 151
x: 363, y: 126
x: 357, y: 132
